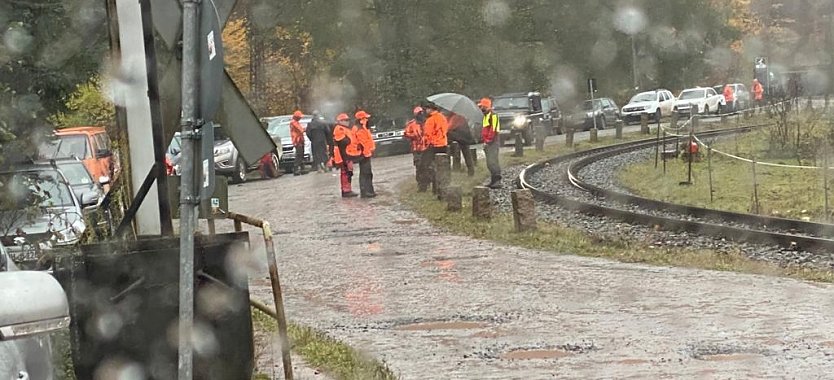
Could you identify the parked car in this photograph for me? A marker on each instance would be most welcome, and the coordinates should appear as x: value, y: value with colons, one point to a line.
x: 228, y: 162
x: 602, y: 112
x: 89, y: 192
x: 654, y: 103
x: 45, y: 214
x: 521, y: 112
x: 280, y: 126
x: 33, y: 307
x: 705, y: 99
x: 389, y: 136
x: 91, y: 145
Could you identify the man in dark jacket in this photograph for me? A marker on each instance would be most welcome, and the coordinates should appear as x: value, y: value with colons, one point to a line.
x: 319, y: 131
x: 459, y: 132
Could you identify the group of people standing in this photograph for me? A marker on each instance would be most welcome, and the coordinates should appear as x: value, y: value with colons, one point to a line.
x: 342, y: 146
x: 431, y: 130
x: 347, y: 144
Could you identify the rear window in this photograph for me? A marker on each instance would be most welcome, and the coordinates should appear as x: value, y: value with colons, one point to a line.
x: 69, y: 146
x: 38, y: 188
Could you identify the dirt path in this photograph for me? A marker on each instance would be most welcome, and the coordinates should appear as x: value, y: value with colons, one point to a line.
x: 436, y: 306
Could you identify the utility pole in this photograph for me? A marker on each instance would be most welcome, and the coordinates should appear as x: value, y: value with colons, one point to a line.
x: 634, y: 62
x: 188, y: 197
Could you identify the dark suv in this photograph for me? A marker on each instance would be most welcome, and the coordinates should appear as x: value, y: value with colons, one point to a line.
x: 521, y: 112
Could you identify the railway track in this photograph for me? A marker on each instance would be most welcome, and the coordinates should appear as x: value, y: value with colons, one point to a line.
x: 571, y: 192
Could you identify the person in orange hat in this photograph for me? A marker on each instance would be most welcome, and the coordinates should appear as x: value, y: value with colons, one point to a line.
x: 489, y: 136
x: 345, y: 151
x: 434, y: 137
x: 366, y: 147
x: 297, y: 135
x: 414, y: 133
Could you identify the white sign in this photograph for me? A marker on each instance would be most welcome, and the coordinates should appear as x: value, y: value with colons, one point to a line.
x: 205, y: 173
x: 211, y: 48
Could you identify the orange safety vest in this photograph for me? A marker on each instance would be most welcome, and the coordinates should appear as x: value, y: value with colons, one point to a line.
x: 414, y: 132
x: 364, y: 140
x: 728, y: 94
x: 297, y: 132
x: 341, y: 133
x: 435, y: 130
x: 455, y: 121
x: 758, y: 91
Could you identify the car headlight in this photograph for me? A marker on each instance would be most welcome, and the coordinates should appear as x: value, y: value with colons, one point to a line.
x: 519, y: 121
x: 222, y: 151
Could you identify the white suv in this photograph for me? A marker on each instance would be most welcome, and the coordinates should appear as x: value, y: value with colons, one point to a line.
x: 654, y: 103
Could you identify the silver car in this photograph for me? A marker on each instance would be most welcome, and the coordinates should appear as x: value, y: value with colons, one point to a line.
x: 32, y: 306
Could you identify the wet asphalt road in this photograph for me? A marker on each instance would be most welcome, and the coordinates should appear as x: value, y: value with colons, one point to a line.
x: 437, y: 306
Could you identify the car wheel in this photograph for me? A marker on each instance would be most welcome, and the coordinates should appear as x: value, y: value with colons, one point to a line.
x: 274, y: 170
x: 239, y: 175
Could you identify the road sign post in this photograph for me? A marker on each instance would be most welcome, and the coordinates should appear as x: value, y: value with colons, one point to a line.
x: 188, y: 197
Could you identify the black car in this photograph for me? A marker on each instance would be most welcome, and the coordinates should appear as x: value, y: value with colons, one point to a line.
x: 600, y: 113
x: 388, y: 134
x: 86, y: 190
x: 521, y: 112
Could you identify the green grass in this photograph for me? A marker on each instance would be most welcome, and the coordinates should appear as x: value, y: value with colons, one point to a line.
x: 321, y: 351
x: 559, y: 239
x: 790, y: 193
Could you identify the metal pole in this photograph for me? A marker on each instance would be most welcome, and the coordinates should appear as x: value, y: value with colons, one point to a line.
x: 634, y: 62
x: 188, y: 198
x: 755, y: 188
x: 825, y: 182
x: 709, y: 170
x: 664, y: 153
x: 657, y: 145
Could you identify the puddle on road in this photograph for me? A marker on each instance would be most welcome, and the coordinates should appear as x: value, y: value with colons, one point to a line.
x: 429, y: 326
x: 535, y: 354
x: 405, y: 222
x: 729, y: 357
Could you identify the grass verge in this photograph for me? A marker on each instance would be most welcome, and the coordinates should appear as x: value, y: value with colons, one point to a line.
x: 321, y: 351
x: 784, y: 192
x: 560, y: 239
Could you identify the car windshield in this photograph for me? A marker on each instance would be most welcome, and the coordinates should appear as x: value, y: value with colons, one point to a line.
x: 67, y: 146
x: 693, y: 94
x: 520, y: 102
x: 76, y: 173
x: 41, y: 188
x: 281, y: 127
x: 589, y: 105
x: 644, y: 97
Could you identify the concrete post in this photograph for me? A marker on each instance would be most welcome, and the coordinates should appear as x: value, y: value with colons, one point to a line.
x: 644, y: 123
x: 524, y: 210
x: 481, y: 203
x: 541, y: 134
x: 454, y: 199
x: 442, y: 173
x: 673, y: 121
x: 594, y: 135
x: 519, y: 144
x: 619, y: 130
x: 569, y: 137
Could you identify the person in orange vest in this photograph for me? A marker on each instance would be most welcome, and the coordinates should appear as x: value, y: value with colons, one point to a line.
x: 459, y: 132
x: 434, y: 138
x: 345, y: 151
x: 729, y: 98
x: 366, y: 146
x: 297, y: 135
x: 414, y: 133
x: 758, y: 93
